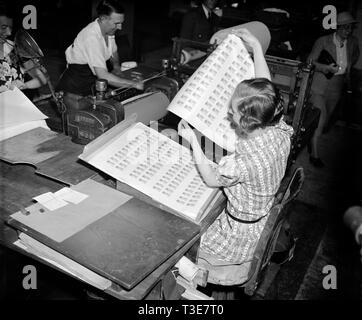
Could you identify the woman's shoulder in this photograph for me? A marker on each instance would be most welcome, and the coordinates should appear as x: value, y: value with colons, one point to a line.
x: 276, y: 130
x: 283, y: 126
x: 274, y: 135
x: 264, y: 138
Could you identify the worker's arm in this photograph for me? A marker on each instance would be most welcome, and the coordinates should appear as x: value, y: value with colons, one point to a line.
x: 38, y: 77
x: 203, y: 164
x: 96, y: 59
x: 115, y: 61
x: 314, y: 56
x: 116, y: 81
x: 260, y: 65
x: 253, y: 45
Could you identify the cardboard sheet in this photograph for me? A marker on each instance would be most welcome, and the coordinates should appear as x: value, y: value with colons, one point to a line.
x: 27, y: 147
x: 68, y: 220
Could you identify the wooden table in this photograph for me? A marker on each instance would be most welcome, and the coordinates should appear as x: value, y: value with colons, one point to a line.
x: 19, y: 183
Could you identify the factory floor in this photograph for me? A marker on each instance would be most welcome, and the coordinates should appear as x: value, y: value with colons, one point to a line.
x: 316, y: 221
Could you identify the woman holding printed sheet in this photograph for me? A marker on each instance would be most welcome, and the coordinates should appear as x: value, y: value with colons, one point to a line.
x: 250, y: 177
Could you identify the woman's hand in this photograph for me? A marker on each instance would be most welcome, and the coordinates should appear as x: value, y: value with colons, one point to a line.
x: 204, y: 165
x: 250, y: 41
x: 3, y: 89
x: 253, y: 46
x: 18, y: 84
x: 186, y: 132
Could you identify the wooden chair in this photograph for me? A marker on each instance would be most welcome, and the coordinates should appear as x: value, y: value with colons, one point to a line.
x: 268, y: 239
x: 293, y: 188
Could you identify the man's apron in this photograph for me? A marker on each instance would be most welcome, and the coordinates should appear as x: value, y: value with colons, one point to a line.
x: 79, y: 79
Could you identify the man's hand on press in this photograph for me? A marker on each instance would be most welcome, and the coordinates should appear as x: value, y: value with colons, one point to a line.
x: 139, y: 85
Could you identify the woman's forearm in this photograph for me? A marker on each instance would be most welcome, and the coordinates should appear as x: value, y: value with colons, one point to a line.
x: 204, y: 165
x: 261, y: 67
x: 33, y: 84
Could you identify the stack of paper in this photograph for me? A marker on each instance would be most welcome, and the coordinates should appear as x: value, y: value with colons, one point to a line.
x: 18, y: 114
x: 35, y: 247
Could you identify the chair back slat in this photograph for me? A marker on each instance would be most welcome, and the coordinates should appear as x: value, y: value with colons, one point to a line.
x: 294, y: 186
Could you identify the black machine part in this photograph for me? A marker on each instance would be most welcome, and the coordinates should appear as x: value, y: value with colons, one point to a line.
x: 92, y: 118
x: 27, y: 48
x: 84, y: 126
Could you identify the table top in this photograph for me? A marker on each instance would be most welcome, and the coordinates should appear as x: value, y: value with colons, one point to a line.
x: 19, y: 183
x: 53, y: 155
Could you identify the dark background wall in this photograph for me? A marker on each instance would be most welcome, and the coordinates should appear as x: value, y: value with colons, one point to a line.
x: 150, y: 25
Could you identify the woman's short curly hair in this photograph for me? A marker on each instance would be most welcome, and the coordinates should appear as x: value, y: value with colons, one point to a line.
x: 259, y: 104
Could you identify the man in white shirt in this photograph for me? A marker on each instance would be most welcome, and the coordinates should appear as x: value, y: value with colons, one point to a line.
x: 94, y: 52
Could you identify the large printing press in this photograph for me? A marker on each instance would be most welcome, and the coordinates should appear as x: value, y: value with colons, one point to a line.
x: 92, y: 116
x: 293, y: 78
x: 87, y: 118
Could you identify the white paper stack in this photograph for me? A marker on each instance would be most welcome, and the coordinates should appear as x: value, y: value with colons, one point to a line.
x: 18, y: 114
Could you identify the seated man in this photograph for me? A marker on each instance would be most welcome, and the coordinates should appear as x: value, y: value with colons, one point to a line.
x: 94, y: 53
x: 200, y: 23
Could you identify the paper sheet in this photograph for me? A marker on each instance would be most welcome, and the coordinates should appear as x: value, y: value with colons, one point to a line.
x: 35, y: 247
x: 70, y: 195
x: 64, y: 222
x: 18, y: 114
x: 16, y: 108
x: 204, y: 99
x: 157, y: 166
x: 9, y: 131
x: 49, y: 201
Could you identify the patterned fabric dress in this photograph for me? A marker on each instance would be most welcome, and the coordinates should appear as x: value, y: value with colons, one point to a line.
x: 251, y: 177
x: 9, y: 68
